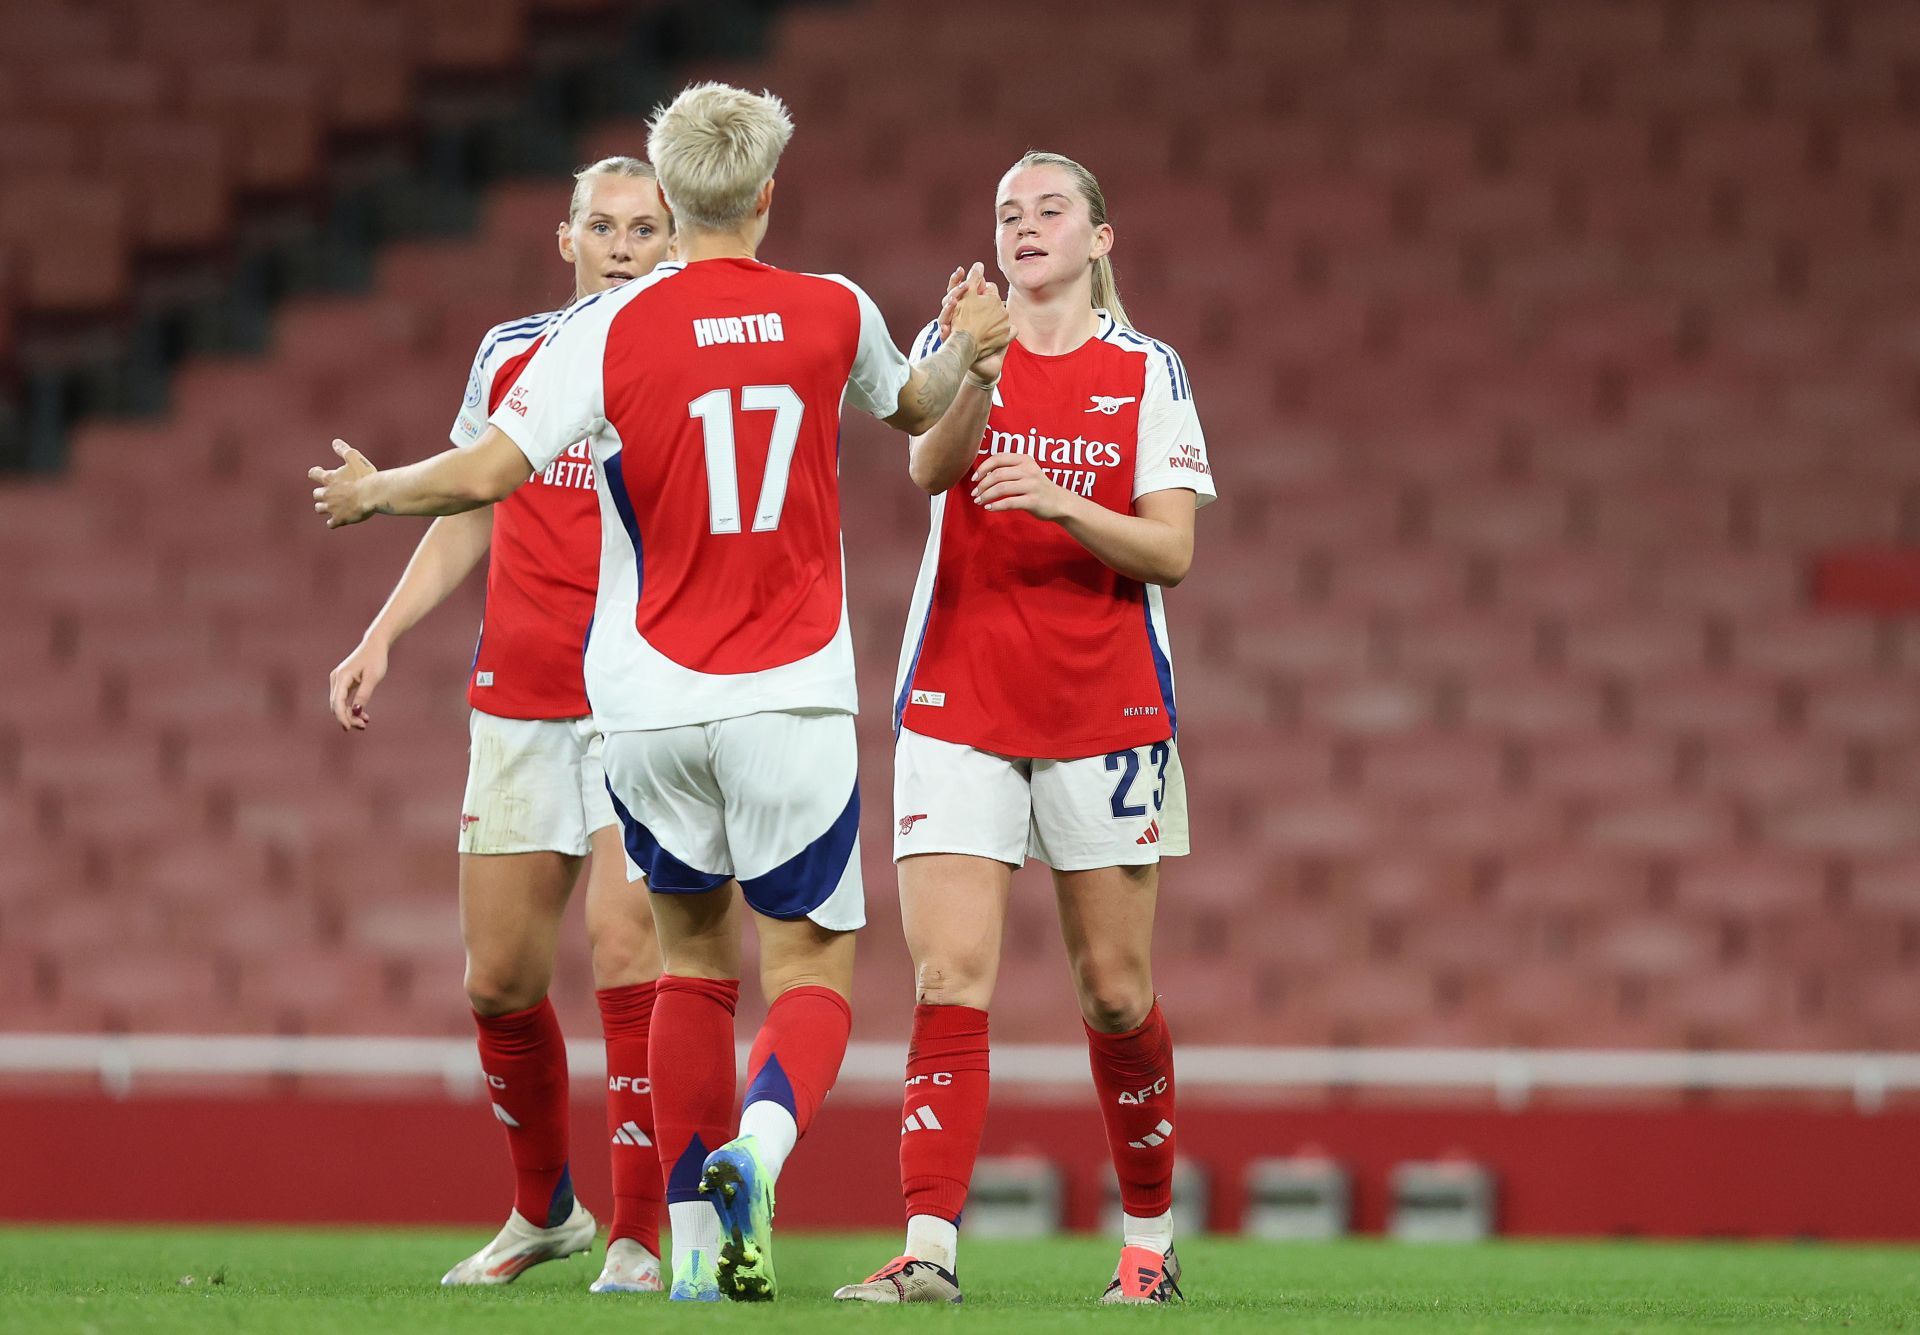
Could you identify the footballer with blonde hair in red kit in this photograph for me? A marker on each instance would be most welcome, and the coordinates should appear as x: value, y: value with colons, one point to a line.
x: 1035, y: 714
x: 536, y: 801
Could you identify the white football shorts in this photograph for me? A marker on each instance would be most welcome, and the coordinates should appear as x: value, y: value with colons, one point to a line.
x: 1118, y: 810
x: 771, y: 800
x: 534, y: 785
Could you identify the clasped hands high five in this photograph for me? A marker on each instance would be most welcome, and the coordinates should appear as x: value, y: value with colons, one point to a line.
x: 973, y: 305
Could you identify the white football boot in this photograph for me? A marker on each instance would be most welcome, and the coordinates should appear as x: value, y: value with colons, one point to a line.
x: 630, y: 1268
x: 905, y: 1279
x: 520, y: 1246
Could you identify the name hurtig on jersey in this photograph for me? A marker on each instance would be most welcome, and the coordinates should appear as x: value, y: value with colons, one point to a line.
x: 710, y: 330
x: 1084, y: 455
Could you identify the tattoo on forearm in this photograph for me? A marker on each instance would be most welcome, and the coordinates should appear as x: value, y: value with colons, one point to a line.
x: 940, y: 374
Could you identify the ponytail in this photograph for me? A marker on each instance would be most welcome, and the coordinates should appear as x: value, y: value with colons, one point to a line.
x: 1106, y: 291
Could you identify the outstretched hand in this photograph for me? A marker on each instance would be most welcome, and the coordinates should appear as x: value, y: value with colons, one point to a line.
x: 339, y: 493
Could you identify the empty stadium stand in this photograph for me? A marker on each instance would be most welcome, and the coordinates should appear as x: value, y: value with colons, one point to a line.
x: 1549, y: 354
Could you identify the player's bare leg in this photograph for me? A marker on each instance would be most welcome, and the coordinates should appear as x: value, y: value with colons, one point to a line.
x: 954, y: 910
x: 626, y: 969
x: 510, y: 910
x: 1106, y: 919
x: 806, y: 973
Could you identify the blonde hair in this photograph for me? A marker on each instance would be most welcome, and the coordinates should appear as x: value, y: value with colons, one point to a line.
x: 715, y: 146
x: 1106, y: 291
x: 614, y: 166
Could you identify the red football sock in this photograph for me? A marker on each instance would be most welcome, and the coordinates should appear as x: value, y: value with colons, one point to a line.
x: 944, y: 1110
x: 690, y: 1061
x: 524, y: 1056
x: 638, y: 1189
x: 798, y: 1051
x: 1133, y: 1075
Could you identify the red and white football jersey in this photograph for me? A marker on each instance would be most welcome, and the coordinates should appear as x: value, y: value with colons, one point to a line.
x: 710, y: 396
x: 544, y: 564
x: 1019, y: 640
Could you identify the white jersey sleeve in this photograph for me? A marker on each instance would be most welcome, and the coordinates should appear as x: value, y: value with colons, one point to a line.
x: 471, y: 420
x: 503, y: 344
x: 560, y: 397
x: 879, y: 371
x: 925, y: 343
x: 1172, y: 452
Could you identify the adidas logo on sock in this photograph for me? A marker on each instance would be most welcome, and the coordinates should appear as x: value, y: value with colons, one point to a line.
x: 631, y: 1134
x: 1157, y: 1136
x: 921, y: 1119
x: 506, y: 1118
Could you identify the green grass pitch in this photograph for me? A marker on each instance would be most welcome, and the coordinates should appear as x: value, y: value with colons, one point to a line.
x: 82, y: 1280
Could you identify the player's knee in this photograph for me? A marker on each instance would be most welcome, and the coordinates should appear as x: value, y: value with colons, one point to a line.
x: 1114, y: 999
x: 500, y: 989
x: 622, y: 957
x: 617, y: 965
x: 952, y: 983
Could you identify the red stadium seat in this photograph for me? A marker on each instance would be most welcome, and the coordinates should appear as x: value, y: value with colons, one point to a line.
x: 78, y: 29
x: 1867, y: 707
x: 1530, y: 705
x: 1804, y: 645
x: 364, y: 58
x: 1363, y: 706
x: 1772, y: 769
x: 95, y: 91
x: 1456, y: 766
x: 1862, y: 826
x: 40, y: 148
x: 1429, y: 638
x: 1735, y: 583
x: 1638, y: 32
x: 1755, y: 27
x: 1612, y: 147
x: 57, y: 276
x: 177, y: 34
x: 1320, y: 33
x: 1597, y: 767
x: 270, y: 115
x: 1499, y: 516
x: 1636, y: 645
x: 1706, y: 704
x: 1889, y: 884
x: 1664, y: 514
x: 1828, y: 514
x: 469, y: 36
x: 180, y: 172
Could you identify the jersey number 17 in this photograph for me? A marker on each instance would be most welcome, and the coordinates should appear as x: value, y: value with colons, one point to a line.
x: 714, y: 411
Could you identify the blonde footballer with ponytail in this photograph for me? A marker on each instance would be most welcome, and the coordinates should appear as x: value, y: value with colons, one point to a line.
x: 1064, y: 484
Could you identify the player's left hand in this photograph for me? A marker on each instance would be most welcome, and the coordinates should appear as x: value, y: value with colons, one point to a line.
x: 339, y: 494
x: 1017, y: 482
